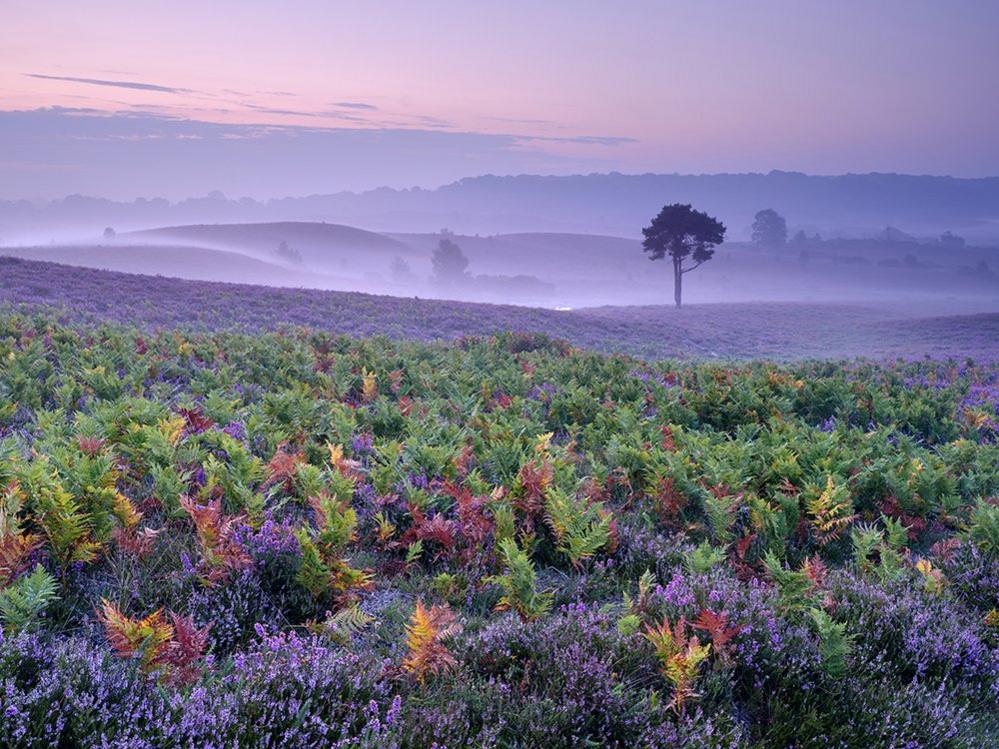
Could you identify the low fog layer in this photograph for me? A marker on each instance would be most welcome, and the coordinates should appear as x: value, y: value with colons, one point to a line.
x: 554, y: 270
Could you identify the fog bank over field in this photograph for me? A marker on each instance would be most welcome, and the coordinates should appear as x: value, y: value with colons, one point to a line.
x: 553, y: 270
x: 915, y: 243
x: 782, y: 331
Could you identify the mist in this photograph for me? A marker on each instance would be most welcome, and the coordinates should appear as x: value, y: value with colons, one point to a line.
x: 891, y: 269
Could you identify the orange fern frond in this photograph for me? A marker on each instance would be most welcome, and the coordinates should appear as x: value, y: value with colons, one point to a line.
x: 425, y: 635
x: 147, y: 639
x: 680, y: 658
x: 283, y: 468
x: 221, y: 554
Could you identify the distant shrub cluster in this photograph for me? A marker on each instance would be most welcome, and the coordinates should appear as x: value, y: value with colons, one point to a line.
x: 293, y: 539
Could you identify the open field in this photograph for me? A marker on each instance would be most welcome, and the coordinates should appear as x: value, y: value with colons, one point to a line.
x: 770, y: 330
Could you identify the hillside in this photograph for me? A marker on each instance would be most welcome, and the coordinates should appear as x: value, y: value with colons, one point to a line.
x: 772, y: 330
x: 316, y: 241
x: 614, y: 204
x: 194, y: 263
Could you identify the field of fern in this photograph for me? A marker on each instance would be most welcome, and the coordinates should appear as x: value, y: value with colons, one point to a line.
x: 290, y: 539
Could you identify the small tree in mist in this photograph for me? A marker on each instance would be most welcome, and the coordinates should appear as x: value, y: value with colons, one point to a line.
x: 400, y: 270
x: 288, y: 253
x: 450, y: 263
x: 109, y: 233
x: 687, y: 236
x: 769, y: 229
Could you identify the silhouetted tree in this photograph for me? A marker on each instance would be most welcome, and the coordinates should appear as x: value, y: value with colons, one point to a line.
x: 450, y: 263
x: 682, y: 233
x: 948, y: 239
x: 109, y: 233
x: 769, y: 229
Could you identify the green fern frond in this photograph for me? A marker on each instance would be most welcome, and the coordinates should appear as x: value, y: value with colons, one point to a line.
x: 22, y: 602
x: 834, y: 644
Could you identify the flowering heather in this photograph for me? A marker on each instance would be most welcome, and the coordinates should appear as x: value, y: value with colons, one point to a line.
x: 773, y: 330
x: 219, y: 539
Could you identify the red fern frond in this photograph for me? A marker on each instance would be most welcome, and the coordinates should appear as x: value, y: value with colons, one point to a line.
x: 816, y: 570
x: 441, y: 531
x: 716, y: 625
x: 283, y: 468
x: 134, y: 542
x: 669, y: 501
x: 186, y: 649
x: 90, y: 445
x: 533, y: 481
x: 196, y: 420
x: 668, y: 443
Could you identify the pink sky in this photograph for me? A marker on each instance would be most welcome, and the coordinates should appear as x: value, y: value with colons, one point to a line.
x: 634, y: 86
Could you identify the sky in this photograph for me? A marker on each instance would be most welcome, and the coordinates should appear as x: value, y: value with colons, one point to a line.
x: 264, y: 99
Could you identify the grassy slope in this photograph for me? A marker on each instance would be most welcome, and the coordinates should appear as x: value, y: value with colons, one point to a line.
x: 773, y: 330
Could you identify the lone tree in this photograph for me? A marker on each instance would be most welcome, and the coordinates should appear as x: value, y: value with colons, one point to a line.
x: 769, y: 229
x: 681, y: 232
x: 450, y: 263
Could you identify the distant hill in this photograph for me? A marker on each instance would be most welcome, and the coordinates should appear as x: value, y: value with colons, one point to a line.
x: 612, y: 204
x: 194, y: 263
x: 317, y: 242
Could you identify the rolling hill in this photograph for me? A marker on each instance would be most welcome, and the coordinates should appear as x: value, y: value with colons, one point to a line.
x: 320, y: 244
x: 772, y: 330
x: 193, y: 263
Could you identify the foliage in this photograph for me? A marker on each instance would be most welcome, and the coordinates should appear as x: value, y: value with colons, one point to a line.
x: 682, y: 232
x: 769, y: 228
x: 519, y: 584
x: 171, y: 645
x: 426, y: 633
x: 808, y: 547
x: 23, y: 601
x: 834, y: 643
x: 680, y: 657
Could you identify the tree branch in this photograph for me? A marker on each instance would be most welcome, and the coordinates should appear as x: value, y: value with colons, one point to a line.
x: 693, y: 267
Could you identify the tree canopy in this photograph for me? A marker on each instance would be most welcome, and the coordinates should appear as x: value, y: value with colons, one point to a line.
x: 687, y: 236
x: 769, y: 228
x: 449, y: 262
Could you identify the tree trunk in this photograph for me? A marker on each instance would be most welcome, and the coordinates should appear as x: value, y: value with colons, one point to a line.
x: 677, y: 282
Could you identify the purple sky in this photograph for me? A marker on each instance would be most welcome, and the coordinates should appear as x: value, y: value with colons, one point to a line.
x: 121, y: 99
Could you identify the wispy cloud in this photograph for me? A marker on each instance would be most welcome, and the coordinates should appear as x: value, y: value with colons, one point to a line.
x: 125, y: 154
x: 585, y: 140
x: 113, y: 84
x: 303, y: 113
x: 353, y: 105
